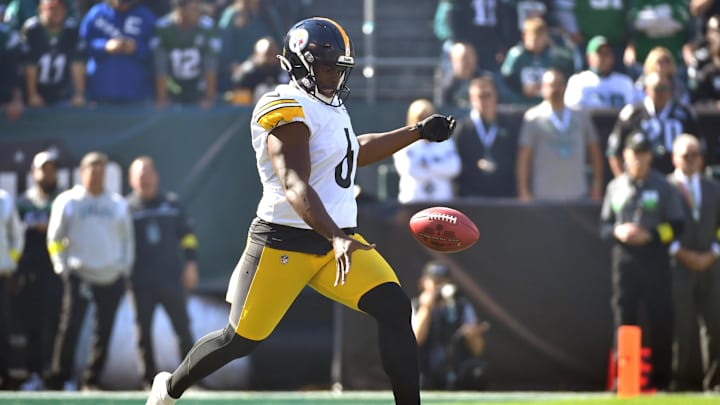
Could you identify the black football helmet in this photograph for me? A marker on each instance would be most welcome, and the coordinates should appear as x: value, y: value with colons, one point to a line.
x: 316, y: 41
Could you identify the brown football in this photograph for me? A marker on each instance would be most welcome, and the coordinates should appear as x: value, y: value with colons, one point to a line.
x: 444, y: 229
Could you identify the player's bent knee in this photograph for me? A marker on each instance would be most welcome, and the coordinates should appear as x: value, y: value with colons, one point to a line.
x: 237, y: 345
x: 386, y: 302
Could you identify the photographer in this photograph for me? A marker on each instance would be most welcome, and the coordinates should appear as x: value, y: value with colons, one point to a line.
x: 450, y: 338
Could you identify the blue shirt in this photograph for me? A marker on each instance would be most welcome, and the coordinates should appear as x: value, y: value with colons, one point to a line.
x: 118, y: 77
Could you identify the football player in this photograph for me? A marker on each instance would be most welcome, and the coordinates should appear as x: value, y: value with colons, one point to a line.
x: 305, y: 230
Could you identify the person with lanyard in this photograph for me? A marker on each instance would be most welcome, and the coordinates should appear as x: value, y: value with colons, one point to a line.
x: 554, y: 140
x: 641, y: 214
x: 487, y: 145
x: 660, y: 116
x: 695, y: 272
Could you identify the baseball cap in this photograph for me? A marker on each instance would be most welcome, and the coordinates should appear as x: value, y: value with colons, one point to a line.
x: 93, y: 157
x: 595, y: 43
x: 436, y: 270
x: 43, y: 157
x: 638, y: 142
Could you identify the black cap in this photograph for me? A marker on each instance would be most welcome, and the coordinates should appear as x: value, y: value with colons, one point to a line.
x: 638, y: 141
x: 436, y: 270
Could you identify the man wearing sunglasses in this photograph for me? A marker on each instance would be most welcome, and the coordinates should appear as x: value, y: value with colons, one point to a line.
x: 660, y: 116
x: 695, y: 272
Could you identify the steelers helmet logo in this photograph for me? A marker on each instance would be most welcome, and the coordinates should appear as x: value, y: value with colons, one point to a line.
x: 298, y: 40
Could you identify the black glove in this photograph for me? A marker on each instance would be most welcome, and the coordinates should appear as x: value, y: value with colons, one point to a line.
x: 436, y: 128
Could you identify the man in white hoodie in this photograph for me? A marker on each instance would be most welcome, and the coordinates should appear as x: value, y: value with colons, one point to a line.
x: 12, y: 236
x: 91, y: 244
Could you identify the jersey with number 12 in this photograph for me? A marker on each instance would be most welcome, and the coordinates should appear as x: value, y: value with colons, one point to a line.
x: 333, y: 155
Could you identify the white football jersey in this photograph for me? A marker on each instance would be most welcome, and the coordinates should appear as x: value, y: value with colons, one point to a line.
x: 588, y: 90
x: 333, y: 155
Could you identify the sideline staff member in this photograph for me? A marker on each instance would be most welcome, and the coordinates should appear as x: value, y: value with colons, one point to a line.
x: 695, y: 271
x: 159, y: 278
x: 643, y: 214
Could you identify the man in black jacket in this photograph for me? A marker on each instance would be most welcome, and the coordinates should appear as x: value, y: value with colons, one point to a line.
x: 696, y: 276
x: 487, y: 145
x: 159, y: 277
x: 642, y: 214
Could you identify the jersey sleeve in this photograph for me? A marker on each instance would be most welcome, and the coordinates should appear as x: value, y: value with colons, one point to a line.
x: 277, y: 111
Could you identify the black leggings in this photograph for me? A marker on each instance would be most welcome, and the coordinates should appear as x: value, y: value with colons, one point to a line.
x: 387, y: 303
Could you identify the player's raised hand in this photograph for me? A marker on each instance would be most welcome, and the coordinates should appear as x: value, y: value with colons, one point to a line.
x: 344, y: 246
x: 436, y: 128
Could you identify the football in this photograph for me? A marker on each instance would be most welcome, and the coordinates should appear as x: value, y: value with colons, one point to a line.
x: 444, y: 229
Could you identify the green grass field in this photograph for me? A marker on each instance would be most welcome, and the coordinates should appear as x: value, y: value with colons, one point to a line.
x: 353, y: 398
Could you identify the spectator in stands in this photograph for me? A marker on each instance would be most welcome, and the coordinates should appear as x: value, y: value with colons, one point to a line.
x: 705, y: 82
x: 661, y: 117
x: 257, y: 75
x: 242, y: 24
x: 487, y: 145
x: 463, y: 67
x: 162, y: 231
x: 587, y: 19
x: 11, y: 245
x: 19, y: 11
x: 91, y: 244
x: 472, y: 22
x: 451, y: 339
x: 660, y: 60
x: 117, y: 34
x: 526, y: 62
x: 555, y: 142
x: 40, y: 289
x: 697, y: 53
x: 53, y: 57
x: 186, y: 57
x: 703, y: 10
x: 695, y: 271
x: 10, y: 93
x: 600, y: 86
x: 642, y: 214
x: 654, y: 23
x: 513, y: 14
x: 426, y: 169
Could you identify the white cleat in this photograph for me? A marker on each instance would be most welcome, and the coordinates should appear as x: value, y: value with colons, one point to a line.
x: 158, y: 393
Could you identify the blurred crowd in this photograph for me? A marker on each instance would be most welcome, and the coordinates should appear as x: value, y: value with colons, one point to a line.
x: 561, y: 61
x: 80, y: 52
x: 518, y: 40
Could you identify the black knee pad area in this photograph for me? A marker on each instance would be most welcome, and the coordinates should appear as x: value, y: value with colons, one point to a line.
x: 386, y: 303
